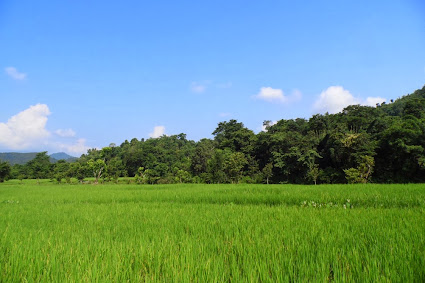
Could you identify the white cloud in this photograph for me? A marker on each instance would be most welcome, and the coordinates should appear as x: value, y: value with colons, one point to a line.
x: 271, y: 95
x: 372, y: 101
x: 224, y: 114
x: 157, y: 132
x: 277, y: 95
x: 77, y: 148
x: 14, y: 74
x: 25, y: 128
x: 336, y: 98
x: 65, y: 133
x: 265, y: 126
x: 198, y: 87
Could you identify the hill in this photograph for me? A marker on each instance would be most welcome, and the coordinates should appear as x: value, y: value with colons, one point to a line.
x: 63, y: 155
x: 22, y: 158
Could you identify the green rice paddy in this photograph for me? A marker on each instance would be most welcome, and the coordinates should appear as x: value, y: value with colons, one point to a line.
x: 199, y: 233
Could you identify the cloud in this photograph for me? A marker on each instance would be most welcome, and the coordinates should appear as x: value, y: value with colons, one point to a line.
x: 157, y: 132
x: 78, y: 148
x: 25, y: 128
x: 14, y: 74
x: 336, y: 98
x: 271, y: 95
x: 65, y: 133
x: 266, y: 125
x: 224, y: 114
x: 197, y: 87
x: 372, y: 101
x: 276, y: 95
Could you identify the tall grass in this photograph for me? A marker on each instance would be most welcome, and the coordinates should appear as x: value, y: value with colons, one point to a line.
x: 212, y: 233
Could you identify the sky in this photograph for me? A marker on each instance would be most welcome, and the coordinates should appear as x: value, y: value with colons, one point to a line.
x: 77, y: 74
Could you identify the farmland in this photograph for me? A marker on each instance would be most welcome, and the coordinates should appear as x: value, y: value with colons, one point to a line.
x: 176, y: 233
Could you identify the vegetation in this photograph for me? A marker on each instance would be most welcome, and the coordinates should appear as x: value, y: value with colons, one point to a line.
x: 357, y: 233
x: 4, y: 171
x: 22, y: 158
x: 361, y: 144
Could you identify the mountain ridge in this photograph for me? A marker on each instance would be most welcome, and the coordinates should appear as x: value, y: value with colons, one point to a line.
x: 22, y: 158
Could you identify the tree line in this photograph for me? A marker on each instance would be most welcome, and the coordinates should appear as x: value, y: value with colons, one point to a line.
x: 382, y: 144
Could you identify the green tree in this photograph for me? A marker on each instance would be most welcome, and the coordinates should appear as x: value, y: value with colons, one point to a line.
x: 234, y: 136
x: 5, y: 170
x: 362, y: 173
x: 114, y: 169
x: 96, y: 166
x: 203, y: 152
x: 268, y: 171
x: 215, y: 168
x: 40, y: 166
x: 151, y: 176
x: 309, y: 160
x: 60, y: 170
x: 77, y: 170
x: 353, y: 176
x: 233, y: 166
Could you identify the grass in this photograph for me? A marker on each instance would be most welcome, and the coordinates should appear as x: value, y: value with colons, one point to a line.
x: 182, y: 233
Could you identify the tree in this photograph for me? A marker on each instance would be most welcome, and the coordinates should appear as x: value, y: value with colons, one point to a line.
x: 60, y: 170
x: 400, y: 148
x: 235, y: 136
x: 268, y: 171
x: 313, y: 173
x: 140, y: 178
x: 114, y: 169
x: 353, y: 176
x: 151, y: 176
x: 77, y: 170
x: 216, y: 167
x: 5, y: 170
x: 233, y: 166
x: 309, y: 160
x: 365, y: 168
x: 203, y: 152
x: 362, y: 173
x: 40, y: 166
x: 96, y: 166
x: 182, y: 176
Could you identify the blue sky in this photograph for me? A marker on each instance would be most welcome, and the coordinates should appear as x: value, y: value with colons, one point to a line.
x: 81, y: 74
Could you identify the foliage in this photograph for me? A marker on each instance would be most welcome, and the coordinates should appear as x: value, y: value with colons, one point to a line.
x: 268, y: 171
x: 4, y: 171
x: 40, y: 167
x: 383, y: 144
x: 22, y: 158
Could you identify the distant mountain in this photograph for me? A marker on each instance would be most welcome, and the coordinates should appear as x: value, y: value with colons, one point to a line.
x: 22, y: 158
x: 16, y: 157
x: 62, y: 155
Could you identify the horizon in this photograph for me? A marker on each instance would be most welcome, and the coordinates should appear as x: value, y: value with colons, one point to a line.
x: 29, y: 152
x: 77, y: 76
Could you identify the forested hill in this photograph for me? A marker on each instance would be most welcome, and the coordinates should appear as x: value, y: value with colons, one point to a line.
x: 16, y: 157
x: 382, y: 144
x: 23, y: 158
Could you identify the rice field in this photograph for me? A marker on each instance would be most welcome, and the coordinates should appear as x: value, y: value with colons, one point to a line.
x: 198, y: 233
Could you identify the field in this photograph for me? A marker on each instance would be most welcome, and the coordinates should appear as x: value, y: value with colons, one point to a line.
x: 186, y: 233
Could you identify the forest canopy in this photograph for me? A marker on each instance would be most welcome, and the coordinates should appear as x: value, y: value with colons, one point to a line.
x: 382, y: 144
